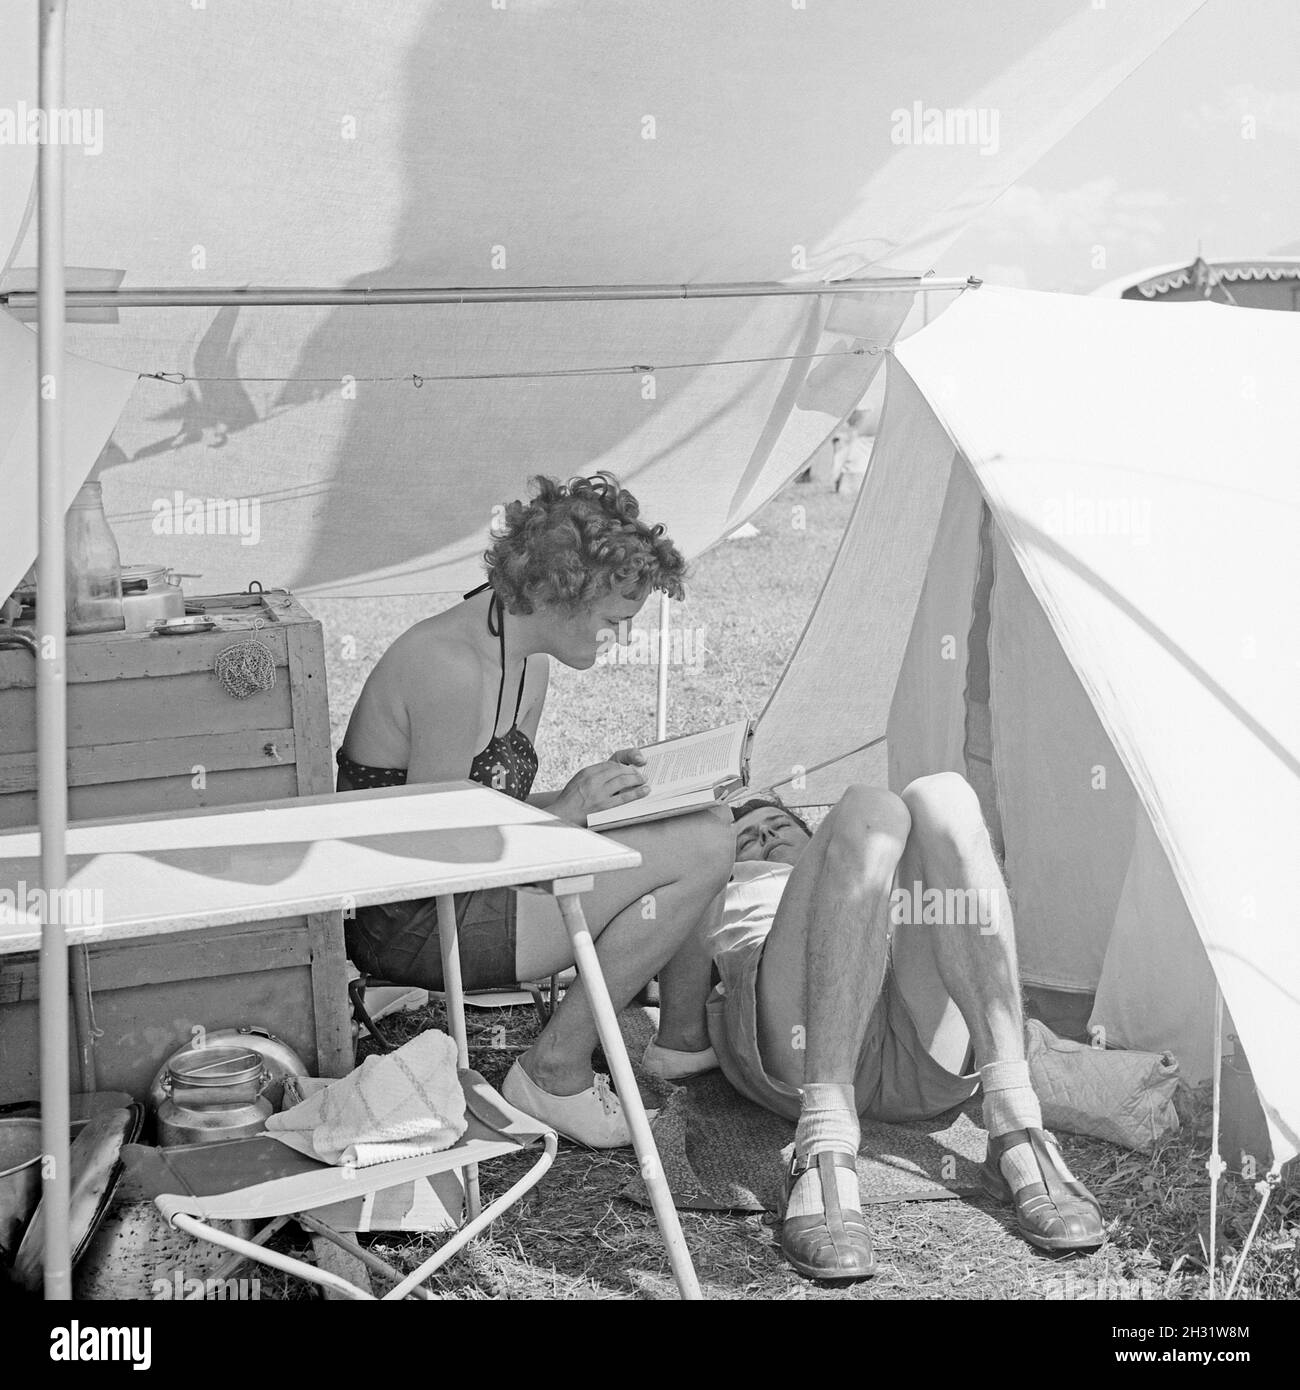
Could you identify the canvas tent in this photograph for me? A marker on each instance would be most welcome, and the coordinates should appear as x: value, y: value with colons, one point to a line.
x: 1073, y: 574
x: 1270, y: 282
x: 342, y: 145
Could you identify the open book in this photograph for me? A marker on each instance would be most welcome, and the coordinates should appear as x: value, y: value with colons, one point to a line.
x: 685, y: 773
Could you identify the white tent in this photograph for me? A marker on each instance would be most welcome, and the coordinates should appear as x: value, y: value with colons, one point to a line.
x: 1072, y: 576
x: 349, y: 145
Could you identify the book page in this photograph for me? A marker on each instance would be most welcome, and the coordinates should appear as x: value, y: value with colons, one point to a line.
x: 648, y: 808
x: 694, y: 761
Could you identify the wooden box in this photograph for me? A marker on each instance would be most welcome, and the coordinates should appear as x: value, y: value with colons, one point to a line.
x: 151, y: 728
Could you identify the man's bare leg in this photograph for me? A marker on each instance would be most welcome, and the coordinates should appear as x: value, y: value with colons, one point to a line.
x: 823, y: 966
x: 680, y: 1047
x: 949, y: 851
x: 975, y: 952
x: 825, y: 957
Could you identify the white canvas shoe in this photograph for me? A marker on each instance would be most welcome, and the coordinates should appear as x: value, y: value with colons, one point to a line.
x: 593, y: 1117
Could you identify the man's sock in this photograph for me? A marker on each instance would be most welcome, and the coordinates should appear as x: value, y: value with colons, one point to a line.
x: 1009, y: 1099
x: 828, y: 1119
x: 1010, y: 1104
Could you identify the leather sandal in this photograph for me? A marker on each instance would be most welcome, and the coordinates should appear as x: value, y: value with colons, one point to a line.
x: 1058, y: 1213
x: 832, y: 1243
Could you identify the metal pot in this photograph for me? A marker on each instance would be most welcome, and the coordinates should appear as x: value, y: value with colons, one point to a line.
x: 213, y: 1093
x: 279, y: 1059
x: 20, y: 1177
x: 150, y: 592
x: 184, y: 1124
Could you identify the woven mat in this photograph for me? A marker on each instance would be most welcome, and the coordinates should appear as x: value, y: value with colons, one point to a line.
x: 721, y: 1152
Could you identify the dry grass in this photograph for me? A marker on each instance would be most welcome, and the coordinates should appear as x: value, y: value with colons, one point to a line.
x: 575, y: 1238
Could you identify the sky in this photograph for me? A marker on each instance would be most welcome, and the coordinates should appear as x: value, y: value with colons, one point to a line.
x: 1200, y: 143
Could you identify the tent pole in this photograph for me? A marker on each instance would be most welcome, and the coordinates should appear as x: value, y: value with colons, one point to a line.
x: 1214, y: 1163
x: 661, y: 700
x: 261, y: 296
x: 51, y: 689
x: 1265, y: 1189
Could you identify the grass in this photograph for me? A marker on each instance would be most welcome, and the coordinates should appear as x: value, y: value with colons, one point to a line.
x: 574, y: 1237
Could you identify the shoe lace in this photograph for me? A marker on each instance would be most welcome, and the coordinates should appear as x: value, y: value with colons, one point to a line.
x: 608, y: 1100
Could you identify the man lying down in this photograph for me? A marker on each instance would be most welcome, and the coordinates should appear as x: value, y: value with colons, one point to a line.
x: 810, y: 1020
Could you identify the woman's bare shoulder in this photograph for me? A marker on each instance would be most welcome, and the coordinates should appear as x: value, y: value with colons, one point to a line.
x: 432, y: 657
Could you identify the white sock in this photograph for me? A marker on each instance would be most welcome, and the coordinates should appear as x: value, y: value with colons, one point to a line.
x: 1010, y: 1104
x: 1009, y: 1099
x: 828, y: 1120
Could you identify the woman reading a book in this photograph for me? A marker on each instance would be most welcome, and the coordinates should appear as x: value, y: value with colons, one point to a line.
x: 566, y: 569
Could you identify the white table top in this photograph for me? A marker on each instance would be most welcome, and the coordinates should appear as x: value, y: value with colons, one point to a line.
x: 147, y: 875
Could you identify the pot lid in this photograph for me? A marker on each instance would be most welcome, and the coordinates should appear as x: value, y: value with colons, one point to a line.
x: 146, y: 574
x: 215, y: 1066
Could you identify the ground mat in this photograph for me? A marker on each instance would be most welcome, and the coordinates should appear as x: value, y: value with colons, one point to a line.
x: 721, y: 1152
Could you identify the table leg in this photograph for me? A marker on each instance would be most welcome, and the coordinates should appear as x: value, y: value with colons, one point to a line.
x: 652, y: 1173
x: 329, y: 988
x: 449, y: 946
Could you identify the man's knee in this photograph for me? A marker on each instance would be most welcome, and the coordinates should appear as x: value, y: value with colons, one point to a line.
x: 944, y: 803
x: 863, y: 809
x: 864, y: 817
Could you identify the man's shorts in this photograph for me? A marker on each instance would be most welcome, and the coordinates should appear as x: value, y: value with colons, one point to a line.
x: 896, y: 1077
x: 399, y: 941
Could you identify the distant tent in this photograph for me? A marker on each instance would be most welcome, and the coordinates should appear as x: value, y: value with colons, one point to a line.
x: 1074, y: 581
x: 1272, y: 282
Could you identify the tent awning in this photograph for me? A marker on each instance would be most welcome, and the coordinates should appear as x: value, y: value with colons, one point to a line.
x: 547, y: 143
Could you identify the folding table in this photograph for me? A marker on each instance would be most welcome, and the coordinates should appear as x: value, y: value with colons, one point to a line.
x: 169, y: 873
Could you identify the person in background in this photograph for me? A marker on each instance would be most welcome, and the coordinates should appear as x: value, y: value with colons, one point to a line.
x: 461, y: 695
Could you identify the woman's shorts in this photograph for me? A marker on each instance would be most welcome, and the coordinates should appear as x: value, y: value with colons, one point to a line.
x: 896, y: 1078
x: 399, y: 941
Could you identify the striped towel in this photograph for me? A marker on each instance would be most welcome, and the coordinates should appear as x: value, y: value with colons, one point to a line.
x: 401, y: 1105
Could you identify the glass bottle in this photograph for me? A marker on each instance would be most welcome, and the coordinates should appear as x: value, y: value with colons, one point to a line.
x: 94, y: 567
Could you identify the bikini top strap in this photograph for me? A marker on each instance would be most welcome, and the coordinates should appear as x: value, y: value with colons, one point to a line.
x: 494, y: 609
x: 519, y: 699
x: 497, y: 629
x: 496, y: 626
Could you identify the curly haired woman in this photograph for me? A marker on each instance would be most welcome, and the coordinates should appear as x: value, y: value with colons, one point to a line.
x: 566, y: 570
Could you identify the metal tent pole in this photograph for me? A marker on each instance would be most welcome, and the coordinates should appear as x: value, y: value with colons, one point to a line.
x: 264, y: 296
x: 51, y: 689
x: 661, y: 697
x: 1214, y: 1164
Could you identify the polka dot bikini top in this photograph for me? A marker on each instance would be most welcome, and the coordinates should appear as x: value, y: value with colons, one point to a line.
x: 508, y: 762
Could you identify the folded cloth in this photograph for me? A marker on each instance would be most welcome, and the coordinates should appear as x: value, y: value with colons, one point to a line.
x: 1124, y: 1097
x: 401, y: 1105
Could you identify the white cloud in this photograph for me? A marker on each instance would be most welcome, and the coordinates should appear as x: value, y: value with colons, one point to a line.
x: 1094, y: 213
x: 1276, y: 112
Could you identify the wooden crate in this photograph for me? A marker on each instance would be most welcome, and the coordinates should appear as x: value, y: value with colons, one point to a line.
x: 144, y: 712
x: 150, y: 728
